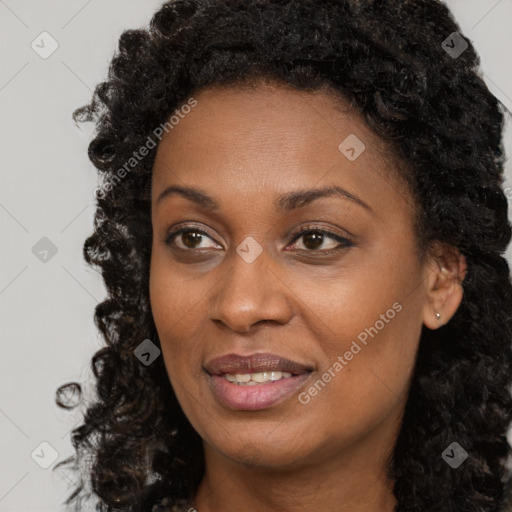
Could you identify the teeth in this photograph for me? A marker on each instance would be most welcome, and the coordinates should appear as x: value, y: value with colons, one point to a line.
x: 251, y: 379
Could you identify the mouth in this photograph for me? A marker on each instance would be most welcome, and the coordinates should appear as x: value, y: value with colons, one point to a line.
x: 254, y: 382
x: 253, y: 379
x: 254, y: 364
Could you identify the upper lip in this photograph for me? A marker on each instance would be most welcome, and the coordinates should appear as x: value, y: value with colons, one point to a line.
x: 254, y: 363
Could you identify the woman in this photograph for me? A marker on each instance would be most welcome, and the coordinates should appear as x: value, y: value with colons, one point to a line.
x: 301, y: 228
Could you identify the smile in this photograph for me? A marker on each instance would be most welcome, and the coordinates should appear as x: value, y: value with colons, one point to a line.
x: 252, y: 395
x: 252, y: 379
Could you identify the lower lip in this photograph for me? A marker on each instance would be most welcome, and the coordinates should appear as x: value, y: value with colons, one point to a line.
x: 253, y: 398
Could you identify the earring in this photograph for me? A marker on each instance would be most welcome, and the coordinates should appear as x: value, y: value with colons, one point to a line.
x: 438, y: 316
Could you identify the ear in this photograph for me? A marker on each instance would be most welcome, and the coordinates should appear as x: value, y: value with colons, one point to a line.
x: 446, y: 269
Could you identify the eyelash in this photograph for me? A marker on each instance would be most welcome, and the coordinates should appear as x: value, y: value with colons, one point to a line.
x: 345, y: 243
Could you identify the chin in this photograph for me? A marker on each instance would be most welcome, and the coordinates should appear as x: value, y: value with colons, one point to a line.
x: 277, y: 455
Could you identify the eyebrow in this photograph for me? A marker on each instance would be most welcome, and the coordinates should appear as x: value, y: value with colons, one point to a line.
x: 283, y: 203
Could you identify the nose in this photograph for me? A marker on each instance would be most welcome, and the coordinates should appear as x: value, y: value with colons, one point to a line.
x: 251, y: 293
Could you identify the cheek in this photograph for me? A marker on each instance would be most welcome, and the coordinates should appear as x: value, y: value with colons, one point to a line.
x: 368, y: 326
x: 370, y: 298
x: 176, y: 304
x: 176, y: 312
x: 364, y: 378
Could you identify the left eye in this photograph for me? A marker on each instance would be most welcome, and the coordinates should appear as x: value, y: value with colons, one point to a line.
x: 314, y: 239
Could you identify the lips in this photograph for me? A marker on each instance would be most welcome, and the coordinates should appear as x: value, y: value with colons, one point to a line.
x: 255, y: 363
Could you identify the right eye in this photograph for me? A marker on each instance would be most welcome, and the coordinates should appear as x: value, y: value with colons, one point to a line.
x: 189, y: 238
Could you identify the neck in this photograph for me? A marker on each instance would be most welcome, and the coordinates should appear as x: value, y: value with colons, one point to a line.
x: 350, y: 480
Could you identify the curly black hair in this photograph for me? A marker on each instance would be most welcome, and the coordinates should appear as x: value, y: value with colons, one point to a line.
x: 135, y: 446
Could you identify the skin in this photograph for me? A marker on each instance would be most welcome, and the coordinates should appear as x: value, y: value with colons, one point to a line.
x: 244, y: 147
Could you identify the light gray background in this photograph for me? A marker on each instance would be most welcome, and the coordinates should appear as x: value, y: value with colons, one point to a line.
x: 48, y: 335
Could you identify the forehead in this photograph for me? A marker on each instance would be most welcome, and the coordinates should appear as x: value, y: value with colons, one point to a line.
x: 247, y: 116
x: 269, y: 137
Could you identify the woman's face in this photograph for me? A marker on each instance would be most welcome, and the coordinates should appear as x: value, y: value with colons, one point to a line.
x: 344, y: 302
